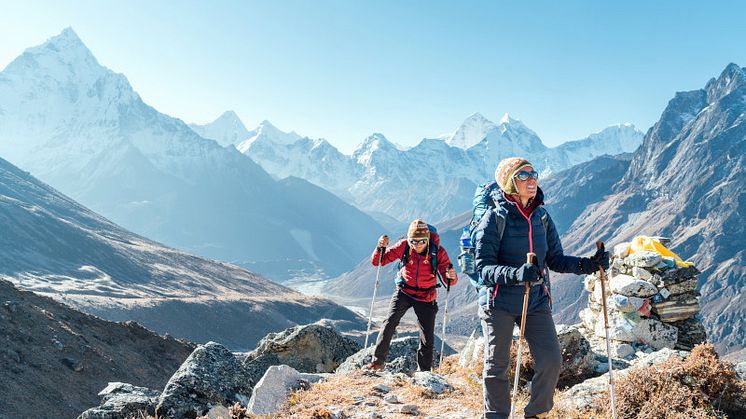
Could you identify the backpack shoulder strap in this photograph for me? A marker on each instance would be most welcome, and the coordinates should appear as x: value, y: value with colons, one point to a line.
x: 544, y: 218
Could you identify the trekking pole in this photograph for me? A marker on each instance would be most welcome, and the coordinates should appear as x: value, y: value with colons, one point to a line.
x: 445, y: 321
x: 600, y: 246
x: 529, y: 259
x: 375, y: 290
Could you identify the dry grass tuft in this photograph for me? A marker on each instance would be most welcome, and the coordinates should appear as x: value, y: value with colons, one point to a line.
x: 700, y: 386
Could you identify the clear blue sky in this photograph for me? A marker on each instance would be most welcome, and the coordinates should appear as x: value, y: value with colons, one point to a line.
x: 342, y: 70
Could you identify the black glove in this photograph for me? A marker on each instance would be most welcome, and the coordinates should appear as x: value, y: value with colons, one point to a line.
x: 527, y: 273
x: 600, y: 259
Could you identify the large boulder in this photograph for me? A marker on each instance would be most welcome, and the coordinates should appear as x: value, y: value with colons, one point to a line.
x: 210, y: 376
x: 272, y: 390
x: 632, y: 287
x: 310, y: 348
x: 122, y: 401
x: 402, y: 357
x: 577, y: 357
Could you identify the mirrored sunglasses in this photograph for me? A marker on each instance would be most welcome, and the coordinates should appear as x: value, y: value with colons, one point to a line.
x: 415, y: 242
x: 524, y: 176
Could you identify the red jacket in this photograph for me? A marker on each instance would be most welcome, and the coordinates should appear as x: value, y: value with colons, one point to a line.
x: 418, y: 271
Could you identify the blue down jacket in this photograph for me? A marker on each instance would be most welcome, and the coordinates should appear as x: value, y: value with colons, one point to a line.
x: 497, y: 258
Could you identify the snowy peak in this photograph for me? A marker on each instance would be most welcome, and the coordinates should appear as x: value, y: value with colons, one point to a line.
x: 226, y: 130
x: 268, y: 135
x: 471, y: 132
x: 64, y: 50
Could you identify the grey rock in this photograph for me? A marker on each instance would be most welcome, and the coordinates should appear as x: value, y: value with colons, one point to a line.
x: 644, y: 259
x: 621, y: 326
x: 431, y: 382
x: 472, y: 351
x: 210, y: 376
x: 381, y: 388
x: 683, y: 287
x: 392, y: 398
x: 274, y: 387
x: 654, y: 358
x: 218, y: 412
x: 674, y: 276
x: 626, y: 304
x: 121, y: 401
x: 691, y: 333
x: 408, y: 409
x: 624, y: 350
x: 642, y: 273
x: 577, y: 357
x: 741, y: 370
x: 402, y: 357
x: 656, y: 334
x: 632, y: 287
x: 310, y: 348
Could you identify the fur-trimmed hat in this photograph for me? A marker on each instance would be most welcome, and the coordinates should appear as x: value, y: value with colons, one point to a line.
x: 418, y: 230
x: 505, y: 172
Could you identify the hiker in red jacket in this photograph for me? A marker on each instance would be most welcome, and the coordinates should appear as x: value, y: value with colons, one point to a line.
x: 422, y: 259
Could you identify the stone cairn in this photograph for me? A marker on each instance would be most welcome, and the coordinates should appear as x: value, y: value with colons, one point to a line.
x: 649, y: 299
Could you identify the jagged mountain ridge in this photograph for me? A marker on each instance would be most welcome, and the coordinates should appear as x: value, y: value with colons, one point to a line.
x: 436, y: 178
x: 82, y: 128
x: 688, y: 181
x: 53, y: 246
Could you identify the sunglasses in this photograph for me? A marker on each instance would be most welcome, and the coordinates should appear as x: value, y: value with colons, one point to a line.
x: 415, y: 242
x: 524, y: 176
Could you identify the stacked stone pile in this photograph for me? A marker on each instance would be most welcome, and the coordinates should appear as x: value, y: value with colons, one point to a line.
x: 649, y: 298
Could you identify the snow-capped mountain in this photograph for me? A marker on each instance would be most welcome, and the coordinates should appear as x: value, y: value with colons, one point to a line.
x: 471, y: 132
x: 82, y: 128
x: 226, y: 130
x: 435, y: 179
x: 52, y: 245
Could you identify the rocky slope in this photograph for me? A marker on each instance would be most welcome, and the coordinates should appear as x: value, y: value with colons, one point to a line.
x: 54, y: 360
x: 54, y: 246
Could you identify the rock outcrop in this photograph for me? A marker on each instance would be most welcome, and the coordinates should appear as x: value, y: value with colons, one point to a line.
x: 310, y: 348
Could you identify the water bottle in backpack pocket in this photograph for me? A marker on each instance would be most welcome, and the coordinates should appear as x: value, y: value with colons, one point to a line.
x: 466, y: 259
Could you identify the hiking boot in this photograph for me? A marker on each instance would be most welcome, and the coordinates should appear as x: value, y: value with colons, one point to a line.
x: 375, y: 366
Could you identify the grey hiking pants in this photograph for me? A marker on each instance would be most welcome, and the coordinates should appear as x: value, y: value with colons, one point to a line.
x: 541, y: 335
x: 400, y: 303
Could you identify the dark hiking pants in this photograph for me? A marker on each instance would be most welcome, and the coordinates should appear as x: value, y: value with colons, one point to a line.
x: 400, y: 303
x: 497, y: 327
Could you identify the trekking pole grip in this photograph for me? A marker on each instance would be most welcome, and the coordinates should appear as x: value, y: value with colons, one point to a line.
x: 530, y: 257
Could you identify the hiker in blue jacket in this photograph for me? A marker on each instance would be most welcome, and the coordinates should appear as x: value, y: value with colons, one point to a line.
x: 503, y: 273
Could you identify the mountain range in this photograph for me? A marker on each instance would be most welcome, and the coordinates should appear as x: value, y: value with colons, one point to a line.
x: 82, y: 129
x: 434, y: 179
